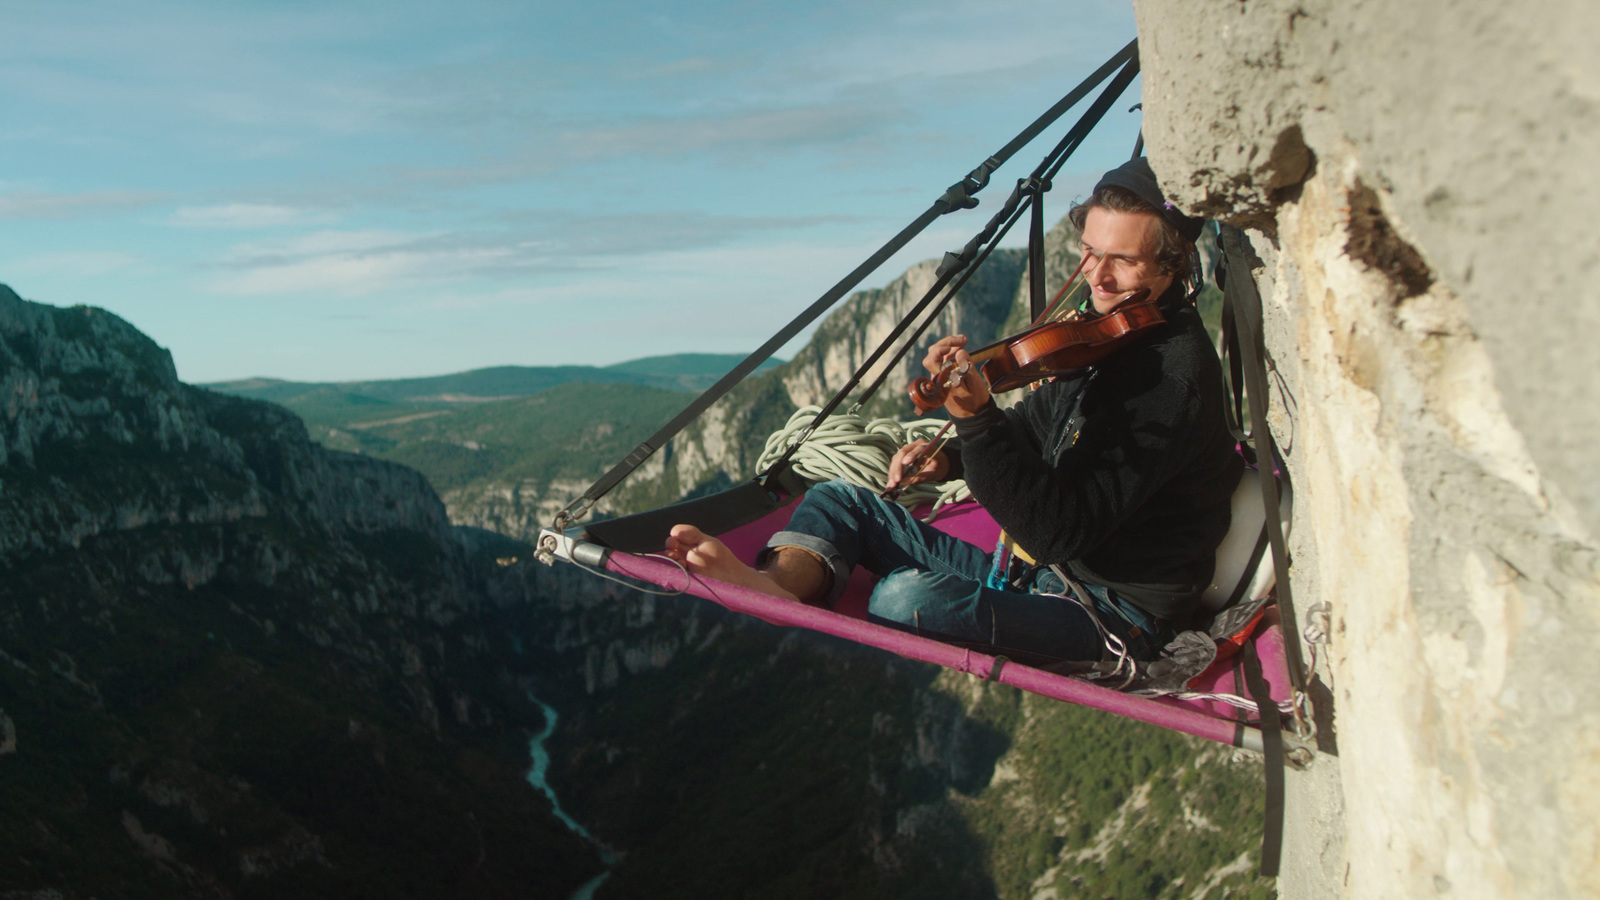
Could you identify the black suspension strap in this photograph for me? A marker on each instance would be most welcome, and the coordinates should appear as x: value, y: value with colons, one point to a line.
x: 1245, y: 343
x: 1011, y: 212
x: 1036, y: 287
x: 959, y: 196
x: 1232, y: 357
x: 1028, y: 191
x: 1272, y: 750
x: 1240, y: 287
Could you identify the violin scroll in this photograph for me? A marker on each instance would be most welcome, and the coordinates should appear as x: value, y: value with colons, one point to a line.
x: 928, y: 395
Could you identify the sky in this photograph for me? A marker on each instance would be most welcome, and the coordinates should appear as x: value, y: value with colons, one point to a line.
x: 336, y: 190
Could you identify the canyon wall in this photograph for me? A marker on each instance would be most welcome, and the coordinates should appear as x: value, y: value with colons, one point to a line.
x: 1416, y: 179
x: 235, y: 663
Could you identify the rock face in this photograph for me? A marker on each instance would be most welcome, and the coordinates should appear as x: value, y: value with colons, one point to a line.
x: 91, y: 404
x: 1418, y: 178
x: 844, y: 340
x: 234, y: 662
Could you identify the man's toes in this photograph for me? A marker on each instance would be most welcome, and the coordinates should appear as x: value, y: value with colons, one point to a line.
x: 687, y: 534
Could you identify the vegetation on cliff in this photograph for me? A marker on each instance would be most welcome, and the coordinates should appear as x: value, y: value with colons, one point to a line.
x: 233, y: 663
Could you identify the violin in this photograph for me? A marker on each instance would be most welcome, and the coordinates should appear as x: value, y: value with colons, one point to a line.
x: 1054, y: 348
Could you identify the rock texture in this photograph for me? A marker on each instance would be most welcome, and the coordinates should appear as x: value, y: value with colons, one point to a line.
x: 233, y: 663
x: 1418, y: 178
x: 844, y: 340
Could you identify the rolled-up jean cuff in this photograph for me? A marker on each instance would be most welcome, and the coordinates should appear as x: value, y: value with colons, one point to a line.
x: 830, y: 555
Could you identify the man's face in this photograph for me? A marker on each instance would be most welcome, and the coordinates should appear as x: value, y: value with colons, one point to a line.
x: 1121, y: 251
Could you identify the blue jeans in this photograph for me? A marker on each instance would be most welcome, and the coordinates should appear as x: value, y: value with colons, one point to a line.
x: 934, y: 585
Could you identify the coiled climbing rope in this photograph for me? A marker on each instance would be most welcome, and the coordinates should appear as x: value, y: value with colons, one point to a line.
x: 858, y: 450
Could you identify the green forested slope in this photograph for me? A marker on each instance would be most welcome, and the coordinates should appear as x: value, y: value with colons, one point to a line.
x: 340, y: 403
x: 574, y: 429
x: 236, y: 664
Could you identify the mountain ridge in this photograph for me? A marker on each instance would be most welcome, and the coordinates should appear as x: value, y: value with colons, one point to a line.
x: 215, y: 631
x: 680, y: 371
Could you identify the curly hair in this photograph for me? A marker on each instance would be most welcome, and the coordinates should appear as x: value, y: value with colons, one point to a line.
x: 1172, y: 251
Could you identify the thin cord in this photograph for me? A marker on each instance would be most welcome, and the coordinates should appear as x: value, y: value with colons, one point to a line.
x: 687, y: 578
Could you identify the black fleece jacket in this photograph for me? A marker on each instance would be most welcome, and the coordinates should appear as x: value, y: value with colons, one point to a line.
x: 1123, y: 474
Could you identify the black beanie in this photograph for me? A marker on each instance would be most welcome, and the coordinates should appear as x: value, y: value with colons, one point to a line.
x: 1136, y: 175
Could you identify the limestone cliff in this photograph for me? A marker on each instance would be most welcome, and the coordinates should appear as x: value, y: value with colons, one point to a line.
x: 232, y: 661
x: 1418, y: 178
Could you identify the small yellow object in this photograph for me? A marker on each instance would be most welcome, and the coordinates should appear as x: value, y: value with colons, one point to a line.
x: 1016, y: 549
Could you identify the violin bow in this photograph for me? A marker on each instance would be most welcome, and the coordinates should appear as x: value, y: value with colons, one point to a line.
x: 939, y: 439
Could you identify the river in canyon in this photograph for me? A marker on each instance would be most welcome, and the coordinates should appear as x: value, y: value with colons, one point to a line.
x: 537, y: 776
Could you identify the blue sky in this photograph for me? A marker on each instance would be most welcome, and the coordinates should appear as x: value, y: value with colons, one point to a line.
x: 351, y: 190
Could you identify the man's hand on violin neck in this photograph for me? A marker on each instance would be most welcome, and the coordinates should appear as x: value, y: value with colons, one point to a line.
x: 942, y: 353
x: 947, y: 359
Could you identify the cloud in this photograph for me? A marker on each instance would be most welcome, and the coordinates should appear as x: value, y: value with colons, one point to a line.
x: 758, y: 130
x: 347, y: 263
x: 570, y: 234
x: 24, y: 204
x: 244, y: 215
x: 81, y: 263
x: 318, y: 243
x: 358, y: 262
x: 354, y: 274
x: 747, y: 289
x: 753, y: 135
x: 195, y: 67
x: 843, y: 92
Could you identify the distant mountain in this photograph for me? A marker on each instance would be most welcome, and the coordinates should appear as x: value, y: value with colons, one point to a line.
x: 502, y: 443
x: 503, y: 463
x: 679, y: 372
x: 688, y: 371
x: 507, y: 447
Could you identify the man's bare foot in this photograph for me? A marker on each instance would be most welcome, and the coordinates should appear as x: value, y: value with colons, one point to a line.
x: 703, y: 554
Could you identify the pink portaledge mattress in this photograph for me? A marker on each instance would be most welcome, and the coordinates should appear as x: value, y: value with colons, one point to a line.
x: 1210, y: 719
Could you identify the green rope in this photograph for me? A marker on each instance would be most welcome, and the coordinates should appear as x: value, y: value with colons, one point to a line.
x: 858, y: 450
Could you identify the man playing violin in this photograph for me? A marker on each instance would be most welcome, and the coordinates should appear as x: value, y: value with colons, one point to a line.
x: 1113, y: 484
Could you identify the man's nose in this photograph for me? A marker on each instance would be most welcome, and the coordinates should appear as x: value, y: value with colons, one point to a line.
x: 1095, y: 271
